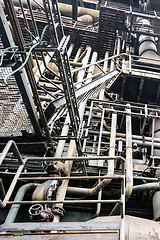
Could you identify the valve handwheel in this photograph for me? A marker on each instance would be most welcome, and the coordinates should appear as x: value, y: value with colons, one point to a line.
x: 36, y: 209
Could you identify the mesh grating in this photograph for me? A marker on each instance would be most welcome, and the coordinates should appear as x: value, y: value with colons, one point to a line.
x: 13, y: 114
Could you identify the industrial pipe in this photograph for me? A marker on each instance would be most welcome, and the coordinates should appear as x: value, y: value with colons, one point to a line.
x: 156, y: 208
x: 2, y: 190
x: 19, y: 197
x: 146, y: 187
x: 139, y: 140
x: 129, y: 160
x: 104, y: 182
x: 86, y: 18
x: 65, y: 9
x: 147, y: 45
x: 156, y: 197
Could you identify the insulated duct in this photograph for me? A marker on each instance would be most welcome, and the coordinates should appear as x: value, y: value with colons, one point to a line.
x: 147, y: 45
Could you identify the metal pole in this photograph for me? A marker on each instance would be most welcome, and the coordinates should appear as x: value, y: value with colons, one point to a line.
x: 2, y: 190
x: 74, y: 9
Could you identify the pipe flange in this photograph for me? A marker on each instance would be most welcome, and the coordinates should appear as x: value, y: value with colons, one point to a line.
x: 57, y: 210
x: 38, y: 213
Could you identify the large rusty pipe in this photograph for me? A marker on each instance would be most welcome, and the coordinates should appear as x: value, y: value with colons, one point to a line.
x: 65, y: 9
x: 86, y: 18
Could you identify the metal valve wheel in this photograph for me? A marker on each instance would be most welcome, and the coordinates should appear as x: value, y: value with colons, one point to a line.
x: 35, y: 209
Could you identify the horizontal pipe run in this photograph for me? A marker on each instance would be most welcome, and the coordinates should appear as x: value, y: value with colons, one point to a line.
x: 123, y: 135
x: 66, y: 202
x: 149, y: 179
x: 72, y: 178
x: 75, y: 158
x: 146, y: 187
x: 136, y: 189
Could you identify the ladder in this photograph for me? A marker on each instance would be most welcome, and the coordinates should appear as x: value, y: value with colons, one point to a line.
x: 59, y: 41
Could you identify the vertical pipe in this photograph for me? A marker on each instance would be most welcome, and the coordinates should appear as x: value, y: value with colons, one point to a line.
x: 98, y: 204
x: 84, y: 63
x: 100, y: 137
x: 105, y: 66
x: 118, y: 46
x: 129, y: 160
x: 77, y: 54
x: 88, y: 124
x: 122, y: 226
x: 2, y: 190
x: 153, y: 127
x: 74, y: 9
x: 111, y: 153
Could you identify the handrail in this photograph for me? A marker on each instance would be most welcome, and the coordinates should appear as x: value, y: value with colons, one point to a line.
x: 98, y: 62
x: 121, y: 55
x: 146, y: 110
x: 10, y: 144
x: 120, y: 201
x: 20, y: 168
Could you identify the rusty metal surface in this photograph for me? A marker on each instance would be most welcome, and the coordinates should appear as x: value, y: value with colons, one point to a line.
x: 63, y: 226
x: 110, y: 21
x: 101, y: 236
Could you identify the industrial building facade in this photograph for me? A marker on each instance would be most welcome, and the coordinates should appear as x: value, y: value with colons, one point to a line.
x: 79, y: 119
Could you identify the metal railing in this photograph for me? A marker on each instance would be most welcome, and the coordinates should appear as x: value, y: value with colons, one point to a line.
x: 22, y: 162
x: 123, y: 62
